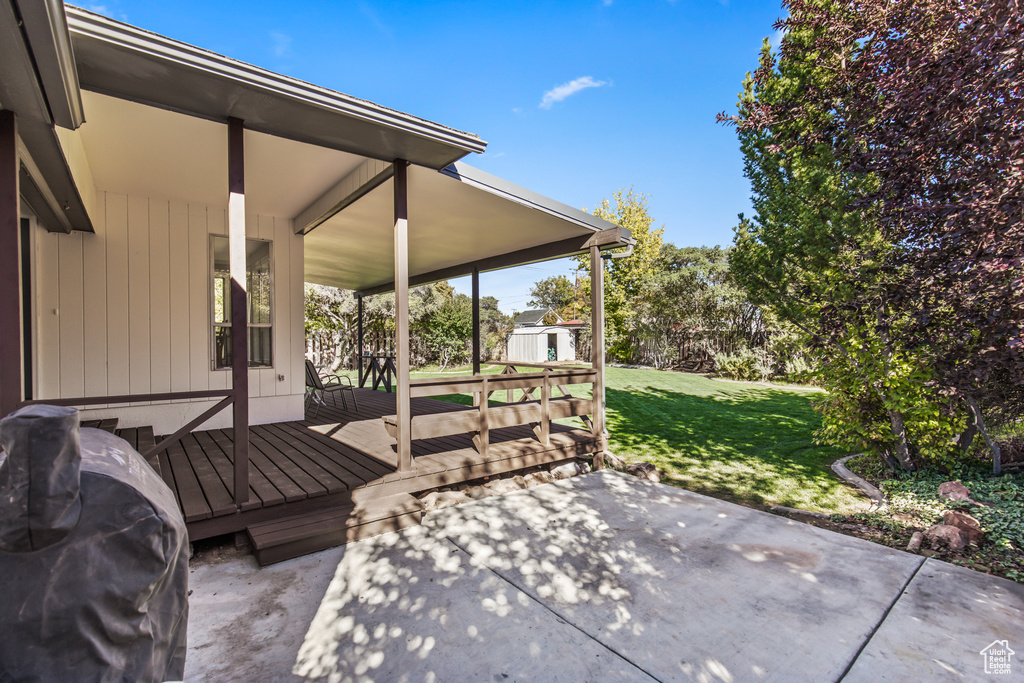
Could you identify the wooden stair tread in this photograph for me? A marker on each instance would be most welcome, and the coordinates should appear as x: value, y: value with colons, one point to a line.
x: 288, y: 537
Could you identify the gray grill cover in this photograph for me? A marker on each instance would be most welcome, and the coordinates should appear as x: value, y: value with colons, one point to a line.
x: 93, y: 556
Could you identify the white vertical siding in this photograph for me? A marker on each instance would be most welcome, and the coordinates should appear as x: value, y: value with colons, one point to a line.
x: 127, y: 310
x: 198, y: 298
x: 159, y: 296
x: 94, y: 260
x: 47, y: 366
x: 116, y: 237
x: 179, y: 300
x: 140, y: 369
x: 72, y: 327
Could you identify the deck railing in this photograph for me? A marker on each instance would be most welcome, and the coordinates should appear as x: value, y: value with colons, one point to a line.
x: 536, y: 406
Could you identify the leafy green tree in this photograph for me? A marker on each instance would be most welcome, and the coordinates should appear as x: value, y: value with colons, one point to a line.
x: 448, y: 330
x: 556, y: 292
x: 815, y: 254
x: 625, y: 278
x: 495, y: 328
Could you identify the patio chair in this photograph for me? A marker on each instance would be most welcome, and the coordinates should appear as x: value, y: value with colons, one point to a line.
x: 318, y: 386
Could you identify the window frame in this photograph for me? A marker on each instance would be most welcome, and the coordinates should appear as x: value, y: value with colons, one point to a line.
x: 213, y: 292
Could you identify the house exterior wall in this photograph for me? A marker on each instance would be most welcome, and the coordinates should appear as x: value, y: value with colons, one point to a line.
x: 127, y: 311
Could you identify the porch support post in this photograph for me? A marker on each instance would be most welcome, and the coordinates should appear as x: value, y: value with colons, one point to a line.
x: 359, y: 340
x: 403, y: 405
x: 597, y: 349
x: 11, y: 381
x: 476, y: 321
x: 239, y: 309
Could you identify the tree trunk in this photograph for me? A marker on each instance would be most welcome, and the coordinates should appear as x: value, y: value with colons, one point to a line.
x: 899, y: 429
x: 979, y: 424
x: 966, y: 438
x: 902, y: 450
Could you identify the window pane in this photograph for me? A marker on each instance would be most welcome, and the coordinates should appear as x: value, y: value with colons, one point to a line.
x: 257, y: 268
x: 260, y: 355
x: 259, y: 299
x: 259, y: 347
x: 222, y: 347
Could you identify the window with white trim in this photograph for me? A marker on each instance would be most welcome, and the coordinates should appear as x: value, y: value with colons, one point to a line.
x: 258, y: 285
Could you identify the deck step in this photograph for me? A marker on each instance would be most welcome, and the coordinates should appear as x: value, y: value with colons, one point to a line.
x: 288, y: 537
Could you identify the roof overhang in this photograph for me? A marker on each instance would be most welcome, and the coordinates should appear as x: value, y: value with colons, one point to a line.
x: 38, y: 83
x: 460, y: 220
x: 129, y: 63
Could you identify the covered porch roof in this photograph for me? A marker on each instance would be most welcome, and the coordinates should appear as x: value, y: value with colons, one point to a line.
x: 460, y: 219
x: 156, y: 112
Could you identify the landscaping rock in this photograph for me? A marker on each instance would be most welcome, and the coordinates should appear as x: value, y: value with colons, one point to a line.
x: 516, y: 483
x: 954, y: 490
x: 585, y: 468
x: 946, y: 535
x: 915, y: 542
x: 644, y: 470
x: 439, y: 500
x: 613, y: 461
x: 569, y: 469
x: 537, y: 478
x: 965, y: 523
x: 477, y: 492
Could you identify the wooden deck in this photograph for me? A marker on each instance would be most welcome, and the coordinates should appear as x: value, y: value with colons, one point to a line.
x: 338, y: 458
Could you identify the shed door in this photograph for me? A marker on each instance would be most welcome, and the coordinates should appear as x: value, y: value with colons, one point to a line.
x: 552, y: 346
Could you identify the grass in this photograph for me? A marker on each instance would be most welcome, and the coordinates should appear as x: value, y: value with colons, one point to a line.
x: 743, y: 442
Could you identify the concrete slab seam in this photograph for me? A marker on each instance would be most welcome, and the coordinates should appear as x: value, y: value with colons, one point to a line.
x: 524, y: 591
x: 885, y: 615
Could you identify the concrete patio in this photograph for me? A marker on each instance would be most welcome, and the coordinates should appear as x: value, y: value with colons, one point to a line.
x: 602, y: 577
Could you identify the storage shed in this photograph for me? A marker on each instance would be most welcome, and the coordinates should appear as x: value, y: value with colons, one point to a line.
x: 534, y: 342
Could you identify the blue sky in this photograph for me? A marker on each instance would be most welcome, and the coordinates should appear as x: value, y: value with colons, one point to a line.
x: 576, y: 99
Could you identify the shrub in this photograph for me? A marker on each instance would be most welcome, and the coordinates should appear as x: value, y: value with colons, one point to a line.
x: 746, y: 365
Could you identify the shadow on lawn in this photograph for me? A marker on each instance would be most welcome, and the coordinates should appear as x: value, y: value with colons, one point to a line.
x: 754, y: 444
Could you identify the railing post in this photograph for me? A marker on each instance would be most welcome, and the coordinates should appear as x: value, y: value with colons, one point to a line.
x: 597, y: 350
x: 476, y: 321
x: 239, y: 309
x: 545, y: 412
x: 401, y: 237
x: 483, y: 437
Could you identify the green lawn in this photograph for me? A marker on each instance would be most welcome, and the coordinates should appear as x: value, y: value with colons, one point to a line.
x: 733, y: 440
x: 742, y: 442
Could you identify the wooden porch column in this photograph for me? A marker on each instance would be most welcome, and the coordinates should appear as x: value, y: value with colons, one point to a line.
x: 597, y: 349
x: 239, y: 309
x: 402, y: 403
x: 11, y: 380
x: 359, y: 340
x: 476, y: 321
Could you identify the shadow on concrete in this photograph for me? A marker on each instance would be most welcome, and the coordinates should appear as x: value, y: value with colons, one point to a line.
x: 602, y: 577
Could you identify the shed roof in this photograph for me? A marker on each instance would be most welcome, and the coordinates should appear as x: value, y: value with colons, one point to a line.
x: 532, y: 317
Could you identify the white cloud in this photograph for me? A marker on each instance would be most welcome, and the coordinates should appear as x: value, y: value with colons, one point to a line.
x: 567, y: 89
x: 281, y: 43
x: 608, y: 3
x: 776, y: 39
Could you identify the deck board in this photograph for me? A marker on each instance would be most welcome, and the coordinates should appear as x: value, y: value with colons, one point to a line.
x: 325, y: 460
x: 190, y: 492
x: 261, y: 466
